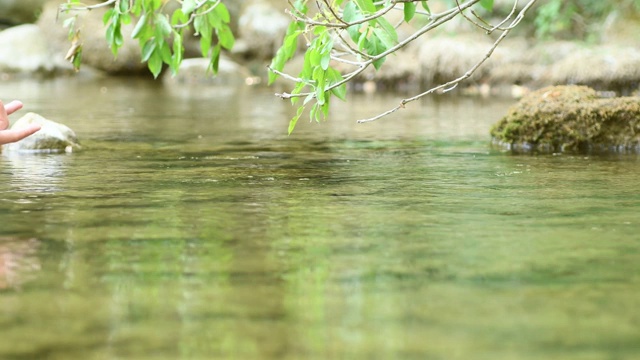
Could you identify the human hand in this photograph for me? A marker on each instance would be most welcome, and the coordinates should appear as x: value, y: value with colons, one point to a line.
x: 13, y: 135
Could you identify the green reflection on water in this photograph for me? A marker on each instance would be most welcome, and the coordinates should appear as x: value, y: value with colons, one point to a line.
x: 194, y: 244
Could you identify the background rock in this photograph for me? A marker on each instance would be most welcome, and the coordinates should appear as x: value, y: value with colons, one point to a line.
x: 14, y: 12
x: 196, y: 72
x: 261, y: 29
x: 96, y: 52
x: 446, y: 58
x: 603, y: 68
x: 25, y: 50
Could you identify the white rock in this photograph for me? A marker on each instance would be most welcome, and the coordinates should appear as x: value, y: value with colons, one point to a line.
x: 52, y: 137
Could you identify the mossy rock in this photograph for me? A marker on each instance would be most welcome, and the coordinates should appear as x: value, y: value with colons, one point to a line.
x: 570, y: 118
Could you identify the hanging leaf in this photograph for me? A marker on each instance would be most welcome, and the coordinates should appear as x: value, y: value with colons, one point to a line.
x: 425, y: 6
x: 155, y: 63
x: 294, y: 120
x: 188, y: 6
x: 142, y: 22
x: 487, y: 4
x: 409, y: 11
x: 334, y: 77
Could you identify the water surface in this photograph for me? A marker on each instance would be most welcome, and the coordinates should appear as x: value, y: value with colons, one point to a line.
x: 192, y: 227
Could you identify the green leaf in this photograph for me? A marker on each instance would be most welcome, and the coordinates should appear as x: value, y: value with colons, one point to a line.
x: 366, y: 5
x: 487, y: 4
x: 201, y: 26
x: 107, y: 16
x: 333, y: 77
x: 375, y: 47
x: 287, y: 50
x: 225, y: 37
x: 205, y: 45
x: 385, y: 39
x: 165, y: 52
x: 297, y: 90
x: 325, y: 108
x: 389, y: 29
x: 188, y: 6
x: 425, y: 6
x: 155, y: 63
x: 314, y: 56
x: 378, y: 63
x: 155, y: 4
x: 294, y: 120
x: 178, y: 16
x: 69, y: 22
x: 409, y: 11
x: 125, y: 19
x: 215, y: 59
x: 313, y: 113
x: 319, y: 77
x: 362, y: 40
x: 77, y: 59
x: 118, y: 40
x: 124, y: 6
x: 214, y: 20
x: 148, y: 49
x: 163, y: 25
x: 178, y: 52
x: 301, y: 6
x: 325, y: 60
x: 307, y: 99
x: 142, y: 22
x: 223, y: 13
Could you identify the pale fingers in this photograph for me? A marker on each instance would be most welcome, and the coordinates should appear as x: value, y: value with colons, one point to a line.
x: 13, y: 106
x: 13, y: 135
x: 4, y: 118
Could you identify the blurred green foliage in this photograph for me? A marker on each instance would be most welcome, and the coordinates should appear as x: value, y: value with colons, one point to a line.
x: 578, y: 19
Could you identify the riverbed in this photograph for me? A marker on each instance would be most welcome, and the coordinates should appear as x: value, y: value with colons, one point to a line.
x: 191, y: 226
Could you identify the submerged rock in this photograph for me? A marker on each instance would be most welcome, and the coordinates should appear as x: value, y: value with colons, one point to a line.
x: 52, y: 137
x: 570, y: 118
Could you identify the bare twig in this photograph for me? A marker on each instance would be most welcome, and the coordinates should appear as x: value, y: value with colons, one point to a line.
x: 365, y: 64
x: 71, y: 7
x: 449, y: 85
x: 342, y: 24
x: 193, y: 15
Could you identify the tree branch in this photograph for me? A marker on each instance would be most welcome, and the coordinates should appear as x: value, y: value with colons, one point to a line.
x: 453, y: 83
x: 69, y: 7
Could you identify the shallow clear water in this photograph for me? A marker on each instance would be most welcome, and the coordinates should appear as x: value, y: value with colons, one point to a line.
x: 192, y: 227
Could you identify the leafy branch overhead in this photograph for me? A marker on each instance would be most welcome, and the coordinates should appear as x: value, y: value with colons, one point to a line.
x: 342, y: 38
x: 160, y: 35
x: 357, y: 34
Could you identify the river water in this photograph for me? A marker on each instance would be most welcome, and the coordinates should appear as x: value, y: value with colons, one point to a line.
x: 192, y: 227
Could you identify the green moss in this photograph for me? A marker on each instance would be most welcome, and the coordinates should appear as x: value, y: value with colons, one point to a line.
x: 570, y: 118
